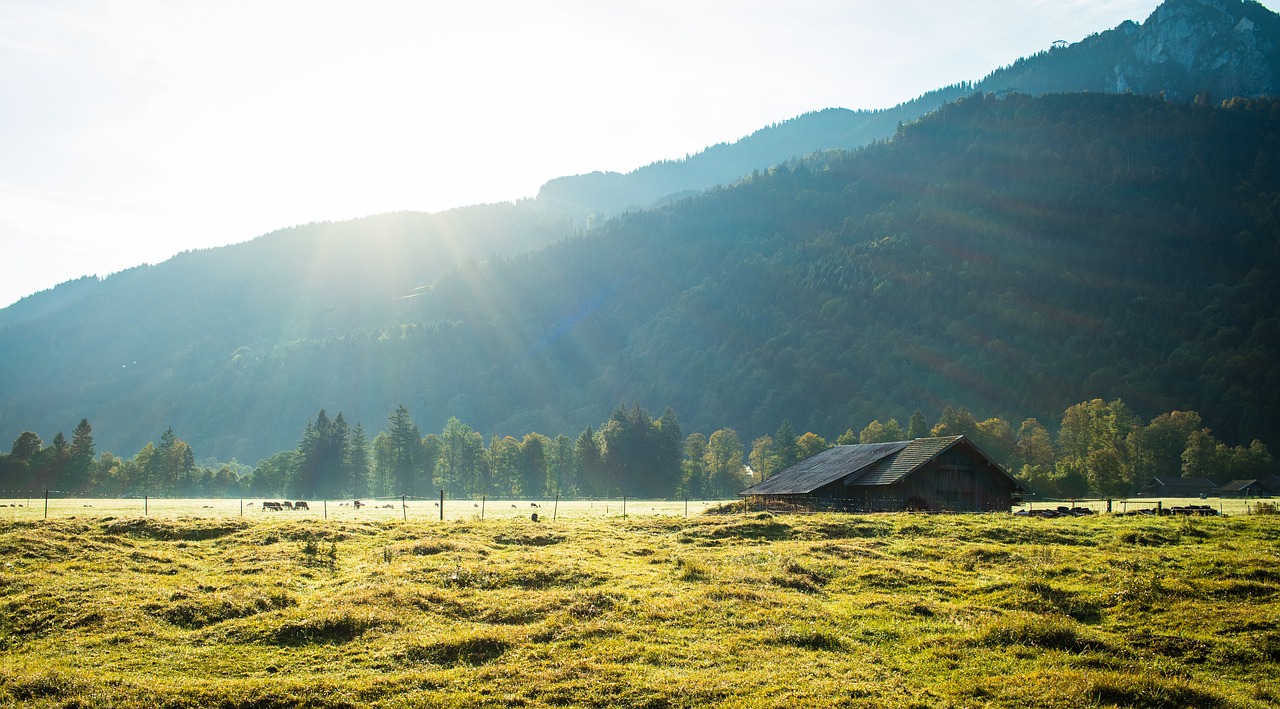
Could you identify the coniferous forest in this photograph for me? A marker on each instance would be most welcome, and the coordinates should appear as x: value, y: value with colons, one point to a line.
x: 1010, y: 256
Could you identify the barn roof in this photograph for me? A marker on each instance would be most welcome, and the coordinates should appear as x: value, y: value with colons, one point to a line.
x: 825, y: 468
x: 1183, y: 483
x: 860, y: 465
x: 1238, y: 485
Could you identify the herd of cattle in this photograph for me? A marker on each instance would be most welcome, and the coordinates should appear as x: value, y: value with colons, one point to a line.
x: 302, y: 505
x: 282, y: 506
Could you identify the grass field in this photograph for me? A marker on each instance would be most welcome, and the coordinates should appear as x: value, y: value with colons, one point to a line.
x: 654, y: 610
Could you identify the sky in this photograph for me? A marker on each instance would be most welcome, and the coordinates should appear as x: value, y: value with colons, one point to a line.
x: 131, y: 130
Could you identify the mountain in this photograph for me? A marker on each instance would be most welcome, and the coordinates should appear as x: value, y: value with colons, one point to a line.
x: 1012, y: 254
x: 1212, y: 49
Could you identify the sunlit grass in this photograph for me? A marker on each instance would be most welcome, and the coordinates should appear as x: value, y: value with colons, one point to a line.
x: 657, y: 610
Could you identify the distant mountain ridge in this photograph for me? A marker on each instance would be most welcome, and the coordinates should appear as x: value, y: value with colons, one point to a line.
x: 1213, y: 49
x: 1009, y: 254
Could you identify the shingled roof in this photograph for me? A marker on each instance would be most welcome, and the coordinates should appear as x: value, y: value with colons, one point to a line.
x: 859, y: 465
x: 825, y: 468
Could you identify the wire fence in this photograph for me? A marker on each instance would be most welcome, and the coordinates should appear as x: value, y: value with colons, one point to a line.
x: 29, y: 505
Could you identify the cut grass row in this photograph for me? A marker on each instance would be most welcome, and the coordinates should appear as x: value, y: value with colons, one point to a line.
x: 737, y: 610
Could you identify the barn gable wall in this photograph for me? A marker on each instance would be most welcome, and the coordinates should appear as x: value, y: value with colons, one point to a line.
x: 959, y: 480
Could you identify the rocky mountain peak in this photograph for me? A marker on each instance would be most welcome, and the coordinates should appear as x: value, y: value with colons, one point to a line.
x: 1218, y: 48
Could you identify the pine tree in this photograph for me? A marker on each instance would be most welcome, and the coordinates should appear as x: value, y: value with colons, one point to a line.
x: 81, y: 458
x: 590, y: 463
x: 784, y: 446
x: 406, y: 454
x: 358, y: 463
x: 917, y: 426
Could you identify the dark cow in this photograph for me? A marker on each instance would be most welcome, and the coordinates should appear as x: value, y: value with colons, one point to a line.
x: 273, y: 506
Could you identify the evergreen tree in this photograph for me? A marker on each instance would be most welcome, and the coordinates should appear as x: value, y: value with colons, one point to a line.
x: 357, y: 467
x: 383, y: 466
x: 784, y: 446
x: 668, y: 443
x: 80, y: 463
x: 430, y: 462
x: 564, y: 477
x: 590, y: 463
x: 533, y: 465
x: 455, y: 471
x: 405, y: 450
x: 917, y: 426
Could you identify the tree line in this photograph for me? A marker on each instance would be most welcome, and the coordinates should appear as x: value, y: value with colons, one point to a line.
x: 1100, y: 448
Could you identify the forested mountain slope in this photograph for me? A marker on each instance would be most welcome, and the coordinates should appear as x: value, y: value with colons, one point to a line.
x: 1014, y: 255
x: 1212, y: 49
x: 149, y: 346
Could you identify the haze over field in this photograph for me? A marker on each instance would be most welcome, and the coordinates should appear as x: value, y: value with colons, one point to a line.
x: 135, y: 131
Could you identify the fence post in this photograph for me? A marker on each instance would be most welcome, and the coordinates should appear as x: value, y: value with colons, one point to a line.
x: 686, y: 508
x: 325, y: 504
x: 441, y: 504
x: 624, y: 506
x: 146, y: 501
x: 46, y: 503
x: 404, y: 508
x: 555, y: 508
x: 242, y: 508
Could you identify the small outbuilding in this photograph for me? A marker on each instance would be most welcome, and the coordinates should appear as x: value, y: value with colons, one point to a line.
x: 1178, y: 487
x: 1245, y: 488
x: 939, y: 474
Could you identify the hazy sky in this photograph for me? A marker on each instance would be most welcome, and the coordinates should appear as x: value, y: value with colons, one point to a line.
x: 134, y: 129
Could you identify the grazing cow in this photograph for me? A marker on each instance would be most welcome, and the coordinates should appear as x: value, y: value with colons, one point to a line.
x: 273, y: 506
x: 388, y: 506
x: 358, y: 504
x: 300, y: 505
x: 287, y: 505
x: 533, y: 504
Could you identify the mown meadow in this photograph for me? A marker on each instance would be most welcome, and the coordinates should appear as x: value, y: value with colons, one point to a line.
x: 747, y: 609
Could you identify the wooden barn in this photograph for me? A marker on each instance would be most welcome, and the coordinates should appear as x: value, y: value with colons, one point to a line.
x: 939, y: 474
x: 1246, y: 488
x: 1178, y: 487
